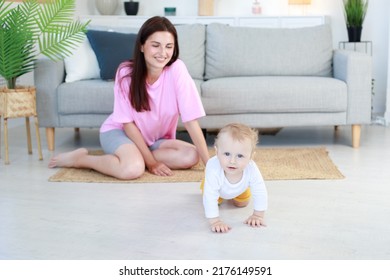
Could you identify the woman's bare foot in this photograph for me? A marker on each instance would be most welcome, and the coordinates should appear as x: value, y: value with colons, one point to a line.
x: 68, y: 159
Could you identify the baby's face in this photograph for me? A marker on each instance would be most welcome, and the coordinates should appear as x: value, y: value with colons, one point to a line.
x: 233, y: 155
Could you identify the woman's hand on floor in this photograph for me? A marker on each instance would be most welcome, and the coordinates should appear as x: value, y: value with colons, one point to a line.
x: 160, y: 169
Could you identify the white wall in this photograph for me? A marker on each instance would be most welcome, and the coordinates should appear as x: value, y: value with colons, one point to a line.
x: 387, y: 113
x: 376, y: 27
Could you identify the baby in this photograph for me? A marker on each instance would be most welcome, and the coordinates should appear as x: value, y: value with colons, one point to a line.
x: 232, y: 174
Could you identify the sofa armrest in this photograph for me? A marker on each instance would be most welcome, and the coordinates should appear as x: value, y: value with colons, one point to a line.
x: 48, y: 75
x: 355, y: 69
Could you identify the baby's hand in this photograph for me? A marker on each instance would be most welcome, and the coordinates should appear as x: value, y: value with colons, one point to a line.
x: 255, y: 221
x: 219, y: 227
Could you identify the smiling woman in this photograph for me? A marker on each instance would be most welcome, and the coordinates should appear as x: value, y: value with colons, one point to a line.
x: 151, y: 91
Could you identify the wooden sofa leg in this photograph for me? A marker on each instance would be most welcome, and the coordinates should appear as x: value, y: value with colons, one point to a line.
x: 356, y: 135
x: 50, y: 138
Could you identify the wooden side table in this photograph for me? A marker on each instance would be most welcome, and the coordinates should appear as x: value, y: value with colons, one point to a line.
x: 17, y: 103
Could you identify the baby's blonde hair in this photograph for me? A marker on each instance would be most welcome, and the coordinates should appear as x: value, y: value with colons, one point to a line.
x: 239, y: 131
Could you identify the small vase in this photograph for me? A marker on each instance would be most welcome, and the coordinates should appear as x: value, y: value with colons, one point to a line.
x: 106, y: 7
x: 131, y: 8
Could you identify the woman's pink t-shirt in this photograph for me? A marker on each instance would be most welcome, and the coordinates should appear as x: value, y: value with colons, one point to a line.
x: 174, y: 94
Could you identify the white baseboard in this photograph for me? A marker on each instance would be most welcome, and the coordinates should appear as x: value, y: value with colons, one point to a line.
x: 378, y: 120
x: 387, y: 116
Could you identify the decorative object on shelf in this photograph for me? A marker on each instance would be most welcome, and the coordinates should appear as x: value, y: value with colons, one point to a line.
x: 302, y: 3
x: 170, y: 11
x: 131, y: 7
x: 355, y: 13
x: 256, y: 8
x: 106, y: 7
x: 205, y: 7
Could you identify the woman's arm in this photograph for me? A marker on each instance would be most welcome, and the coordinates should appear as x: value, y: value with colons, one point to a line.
x: 197, y: 138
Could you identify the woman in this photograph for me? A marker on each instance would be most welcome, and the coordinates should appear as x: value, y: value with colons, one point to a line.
x: 151, y: 92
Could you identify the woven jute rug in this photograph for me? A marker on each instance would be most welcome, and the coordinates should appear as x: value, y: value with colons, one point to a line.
x: 274, y: 164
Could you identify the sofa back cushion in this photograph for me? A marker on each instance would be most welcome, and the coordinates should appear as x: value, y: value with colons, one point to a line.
x: 192, y: 39
x: 248, y: 51
x: 111, y: 48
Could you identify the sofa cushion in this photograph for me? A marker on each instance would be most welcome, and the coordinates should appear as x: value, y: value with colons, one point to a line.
x: 82, y: 64
x: 86, y: 97
x: 271, y: 94
x: 248, y: 51
x: 192, y: 39
x: 111, y: 49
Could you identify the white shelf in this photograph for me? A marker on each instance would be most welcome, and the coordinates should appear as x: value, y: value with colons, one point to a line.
x: 256, y: 21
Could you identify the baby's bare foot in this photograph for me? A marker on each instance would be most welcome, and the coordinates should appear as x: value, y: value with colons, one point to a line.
x: 68, y: 159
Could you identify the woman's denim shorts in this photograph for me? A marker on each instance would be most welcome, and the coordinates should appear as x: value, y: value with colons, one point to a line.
x: 111, y: 140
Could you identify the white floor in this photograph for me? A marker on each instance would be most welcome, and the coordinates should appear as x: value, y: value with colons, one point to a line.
x: 307, y: 219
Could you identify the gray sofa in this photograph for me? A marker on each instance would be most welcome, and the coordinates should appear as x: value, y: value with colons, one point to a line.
x: 262, y: 77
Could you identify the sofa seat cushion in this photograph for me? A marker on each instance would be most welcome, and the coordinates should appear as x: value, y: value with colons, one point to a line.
x: 86, y: 97
x: 247, y: 51
x: 273, y: 95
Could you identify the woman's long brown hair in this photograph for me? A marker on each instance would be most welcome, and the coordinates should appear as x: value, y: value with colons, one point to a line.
x: 138, y: 93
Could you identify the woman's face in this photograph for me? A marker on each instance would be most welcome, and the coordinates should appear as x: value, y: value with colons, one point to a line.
x: 158, y: 50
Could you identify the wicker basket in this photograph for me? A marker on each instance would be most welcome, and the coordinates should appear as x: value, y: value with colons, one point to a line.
x: 17, y: 103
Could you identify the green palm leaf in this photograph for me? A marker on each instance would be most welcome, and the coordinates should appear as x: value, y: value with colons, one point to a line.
x: 58, y: 12
x: 29, y: 30
x: 17, y: 45
x: 61, y: 40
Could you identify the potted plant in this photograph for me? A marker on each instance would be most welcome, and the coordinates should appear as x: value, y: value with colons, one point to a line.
x: 355, y: 12
x: 29, y: 30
